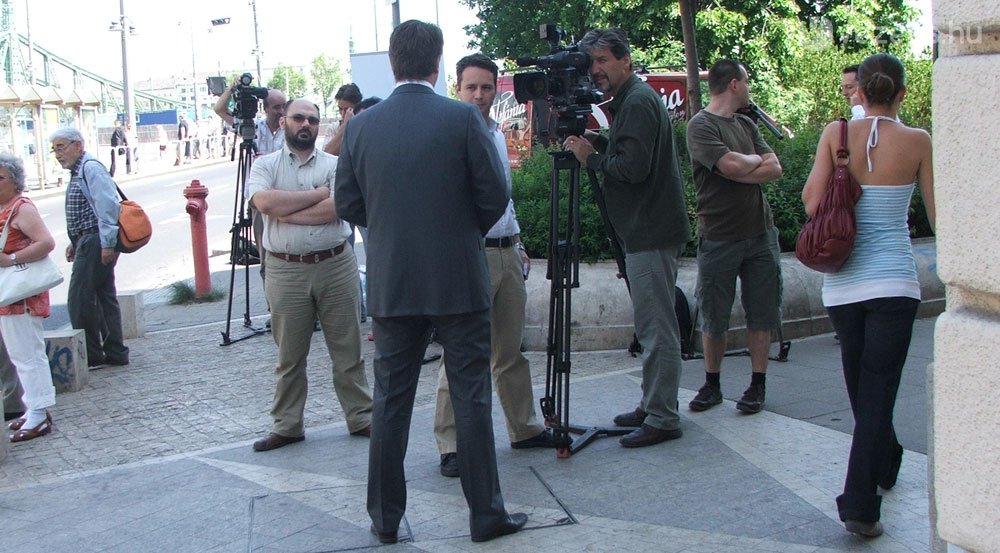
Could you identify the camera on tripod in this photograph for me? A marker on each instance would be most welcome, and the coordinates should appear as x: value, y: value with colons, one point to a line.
x: 245, y: 101
x: 564, y: 82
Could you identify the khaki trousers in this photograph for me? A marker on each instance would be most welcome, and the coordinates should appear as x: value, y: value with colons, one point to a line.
x: 299, y: 293
x: 511, y: 373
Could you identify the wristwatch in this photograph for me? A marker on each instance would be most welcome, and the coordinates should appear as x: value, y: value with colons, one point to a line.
x: 13, y: 258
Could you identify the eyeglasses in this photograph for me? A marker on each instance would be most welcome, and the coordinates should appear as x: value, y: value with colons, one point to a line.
x: 299, y: 118
x: 60, y: 148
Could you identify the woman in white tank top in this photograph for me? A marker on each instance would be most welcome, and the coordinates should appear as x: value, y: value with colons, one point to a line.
x: 872, y: 301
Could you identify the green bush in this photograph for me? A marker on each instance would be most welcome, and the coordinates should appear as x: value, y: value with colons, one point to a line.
x: 532, y: 193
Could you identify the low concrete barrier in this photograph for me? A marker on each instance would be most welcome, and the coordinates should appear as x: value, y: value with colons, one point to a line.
x: 133, y: 318
x: 602, y: 311
x: 67, y: 353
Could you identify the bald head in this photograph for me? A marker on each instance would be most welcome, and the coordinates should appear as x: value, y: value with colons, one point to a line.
x: 274, y: 107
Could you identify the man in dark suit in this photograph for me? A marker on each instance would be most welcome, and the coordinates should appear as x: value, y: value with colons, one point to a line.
x: 420, y: 171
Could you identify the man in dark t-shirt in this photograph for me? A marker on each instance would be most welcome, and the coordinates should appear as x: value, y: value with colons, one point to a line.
x: 736, y: 233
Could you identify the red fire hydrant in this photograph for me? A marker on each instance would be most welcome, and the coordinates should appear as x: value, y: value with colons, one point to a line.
x: 196, y: 208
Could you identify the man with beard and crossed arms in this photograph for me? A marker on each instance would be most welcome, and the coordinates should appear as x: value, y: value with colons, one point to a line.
x: 312, y: 274
x: 421, y: 172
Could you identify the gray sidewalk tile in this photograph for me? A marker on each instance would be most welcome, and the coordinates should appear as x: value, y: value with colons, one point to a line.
x: 156, y: 457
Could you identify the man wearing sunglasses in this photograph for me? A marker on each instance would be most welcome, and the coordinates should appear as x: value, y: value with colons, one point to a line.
x: 312, y: 275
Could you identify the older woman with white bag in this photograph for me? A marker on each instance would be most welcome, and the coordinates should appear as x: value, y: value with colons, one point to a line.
x: 27, y: 241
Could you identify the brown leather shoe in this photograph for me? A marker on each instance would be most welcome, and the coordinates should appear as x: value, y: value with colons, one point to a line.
x: 25, y: 434
x: 647, y: 435
x: 17, y: 423
x: 631, y: 419
x: 365, y: 432
x: 274, y: 441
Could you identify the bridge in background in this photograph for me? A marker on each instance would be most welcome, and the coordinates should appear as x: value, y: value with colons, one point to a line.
x: 17, y: 54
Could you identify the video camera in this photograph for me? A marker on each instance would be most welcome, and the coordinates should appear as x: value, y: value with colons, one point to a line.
x: 245, y: 100
x: 564, y: 82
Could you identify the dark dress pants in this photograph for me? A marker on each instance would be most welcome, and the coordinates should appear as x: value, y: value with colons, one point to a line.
x: 400, y: 343
x: 874, y: 340
x: 92, y: 302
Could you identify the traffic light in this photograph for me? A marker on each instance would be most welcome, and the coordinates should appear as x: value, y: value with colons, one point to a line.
x: 220, y: 21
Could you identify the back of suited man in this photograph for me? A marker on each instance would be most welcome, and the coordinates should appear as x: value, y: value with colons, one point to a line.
x: 426, y: 201
x: 420, y: 171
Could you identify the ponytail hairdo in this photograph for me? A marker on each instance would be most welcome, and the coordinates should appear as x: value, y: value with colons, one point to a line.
x: 881, y: 77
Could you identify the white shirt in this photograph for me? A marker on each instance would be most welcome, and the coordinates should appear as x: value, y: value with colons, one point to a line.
x: 282, y: 170
x: 507, y: 225
x: 267, y: 141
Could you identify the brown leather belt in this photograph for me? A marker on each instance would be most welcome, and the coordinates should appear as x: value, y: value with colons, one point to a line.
x: 311, y: 257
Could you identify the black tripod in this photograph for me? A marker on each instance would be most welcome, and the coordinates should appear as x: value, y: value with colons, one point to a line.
x: 239, y: 252
x: 564, y: 273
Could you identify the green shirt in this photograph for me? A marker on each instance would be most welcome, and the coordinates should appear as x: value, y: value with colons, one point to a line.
x: 642, y: 181
x: 727, y: 210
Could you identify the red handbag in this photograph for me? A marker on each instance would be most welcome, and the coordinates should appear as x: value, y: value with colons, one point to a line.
x: 826, y: 240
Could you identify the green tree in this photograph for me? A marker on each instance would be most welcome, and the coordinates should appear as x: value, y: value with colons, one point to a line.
x: 768, y: 36
x: 290, y: 80
x: 326, y: 75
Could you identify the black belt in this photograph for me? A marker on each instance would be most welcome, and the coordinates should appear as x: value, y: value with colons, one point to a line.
x: 311, y: 257
x: 81, y: 232
x: 505, y: 242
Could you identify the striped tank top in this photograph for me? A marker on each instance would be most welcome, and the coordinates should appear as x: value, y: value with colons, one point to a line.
x: 881, y: 264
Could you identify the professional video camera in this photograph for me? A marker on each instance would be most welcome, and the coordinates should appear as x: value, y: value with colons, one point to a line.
x: 564, y: 82
x: 245, y: 100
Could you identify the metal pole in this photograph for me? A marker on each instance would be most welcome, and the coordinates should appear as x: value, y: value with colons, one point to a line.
x: 194, y: 73
x: 126, y: 84
x: 31, y: 46
x: 256, y: 38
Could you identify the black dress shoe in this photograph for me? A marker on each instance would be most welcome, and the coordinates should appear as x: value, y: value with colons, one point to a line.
x: 545, y: 439
x: 9, y: 416
x: 274, y: 441
x: 631, y: 419
x: 365, y: 432
x: 385, y: 537
x: 647, y: 435
x: 449, y: 465
x: 514, y: 522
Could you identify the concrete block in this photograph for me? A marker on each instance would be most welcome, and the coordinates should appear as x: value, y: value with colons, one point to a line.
x: 602, y: 310
x: 67, y: 353
x: 966, y: 482
x: 133, y: 318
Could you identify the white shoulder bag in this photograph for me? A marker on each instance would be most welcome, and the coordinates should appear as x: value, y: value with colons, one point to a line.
x: 24, y: 280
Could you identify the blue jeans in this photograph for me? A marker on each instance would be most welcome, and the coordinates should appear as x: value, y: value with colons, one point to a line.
x: 874, y: 340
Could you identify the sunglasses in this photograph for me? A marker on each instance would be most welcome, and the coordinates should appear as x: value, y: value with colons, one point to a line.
x: 299, y: 118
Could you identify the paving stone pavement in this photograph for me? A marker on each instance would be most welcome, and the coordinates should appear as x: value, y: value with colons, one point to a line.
x: 156, y: 456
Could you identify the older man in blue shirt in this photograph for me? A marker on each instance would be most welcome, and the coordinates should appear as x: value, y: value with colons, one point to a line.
x: 92, y: 226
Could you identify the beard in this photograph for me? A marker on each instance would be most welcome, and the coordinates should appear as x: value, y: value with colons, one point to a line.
x: 302, y: 140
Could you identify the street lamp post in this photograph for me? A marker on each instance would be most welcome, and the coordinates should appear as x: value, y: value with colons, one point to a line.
x: 126, y: 83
